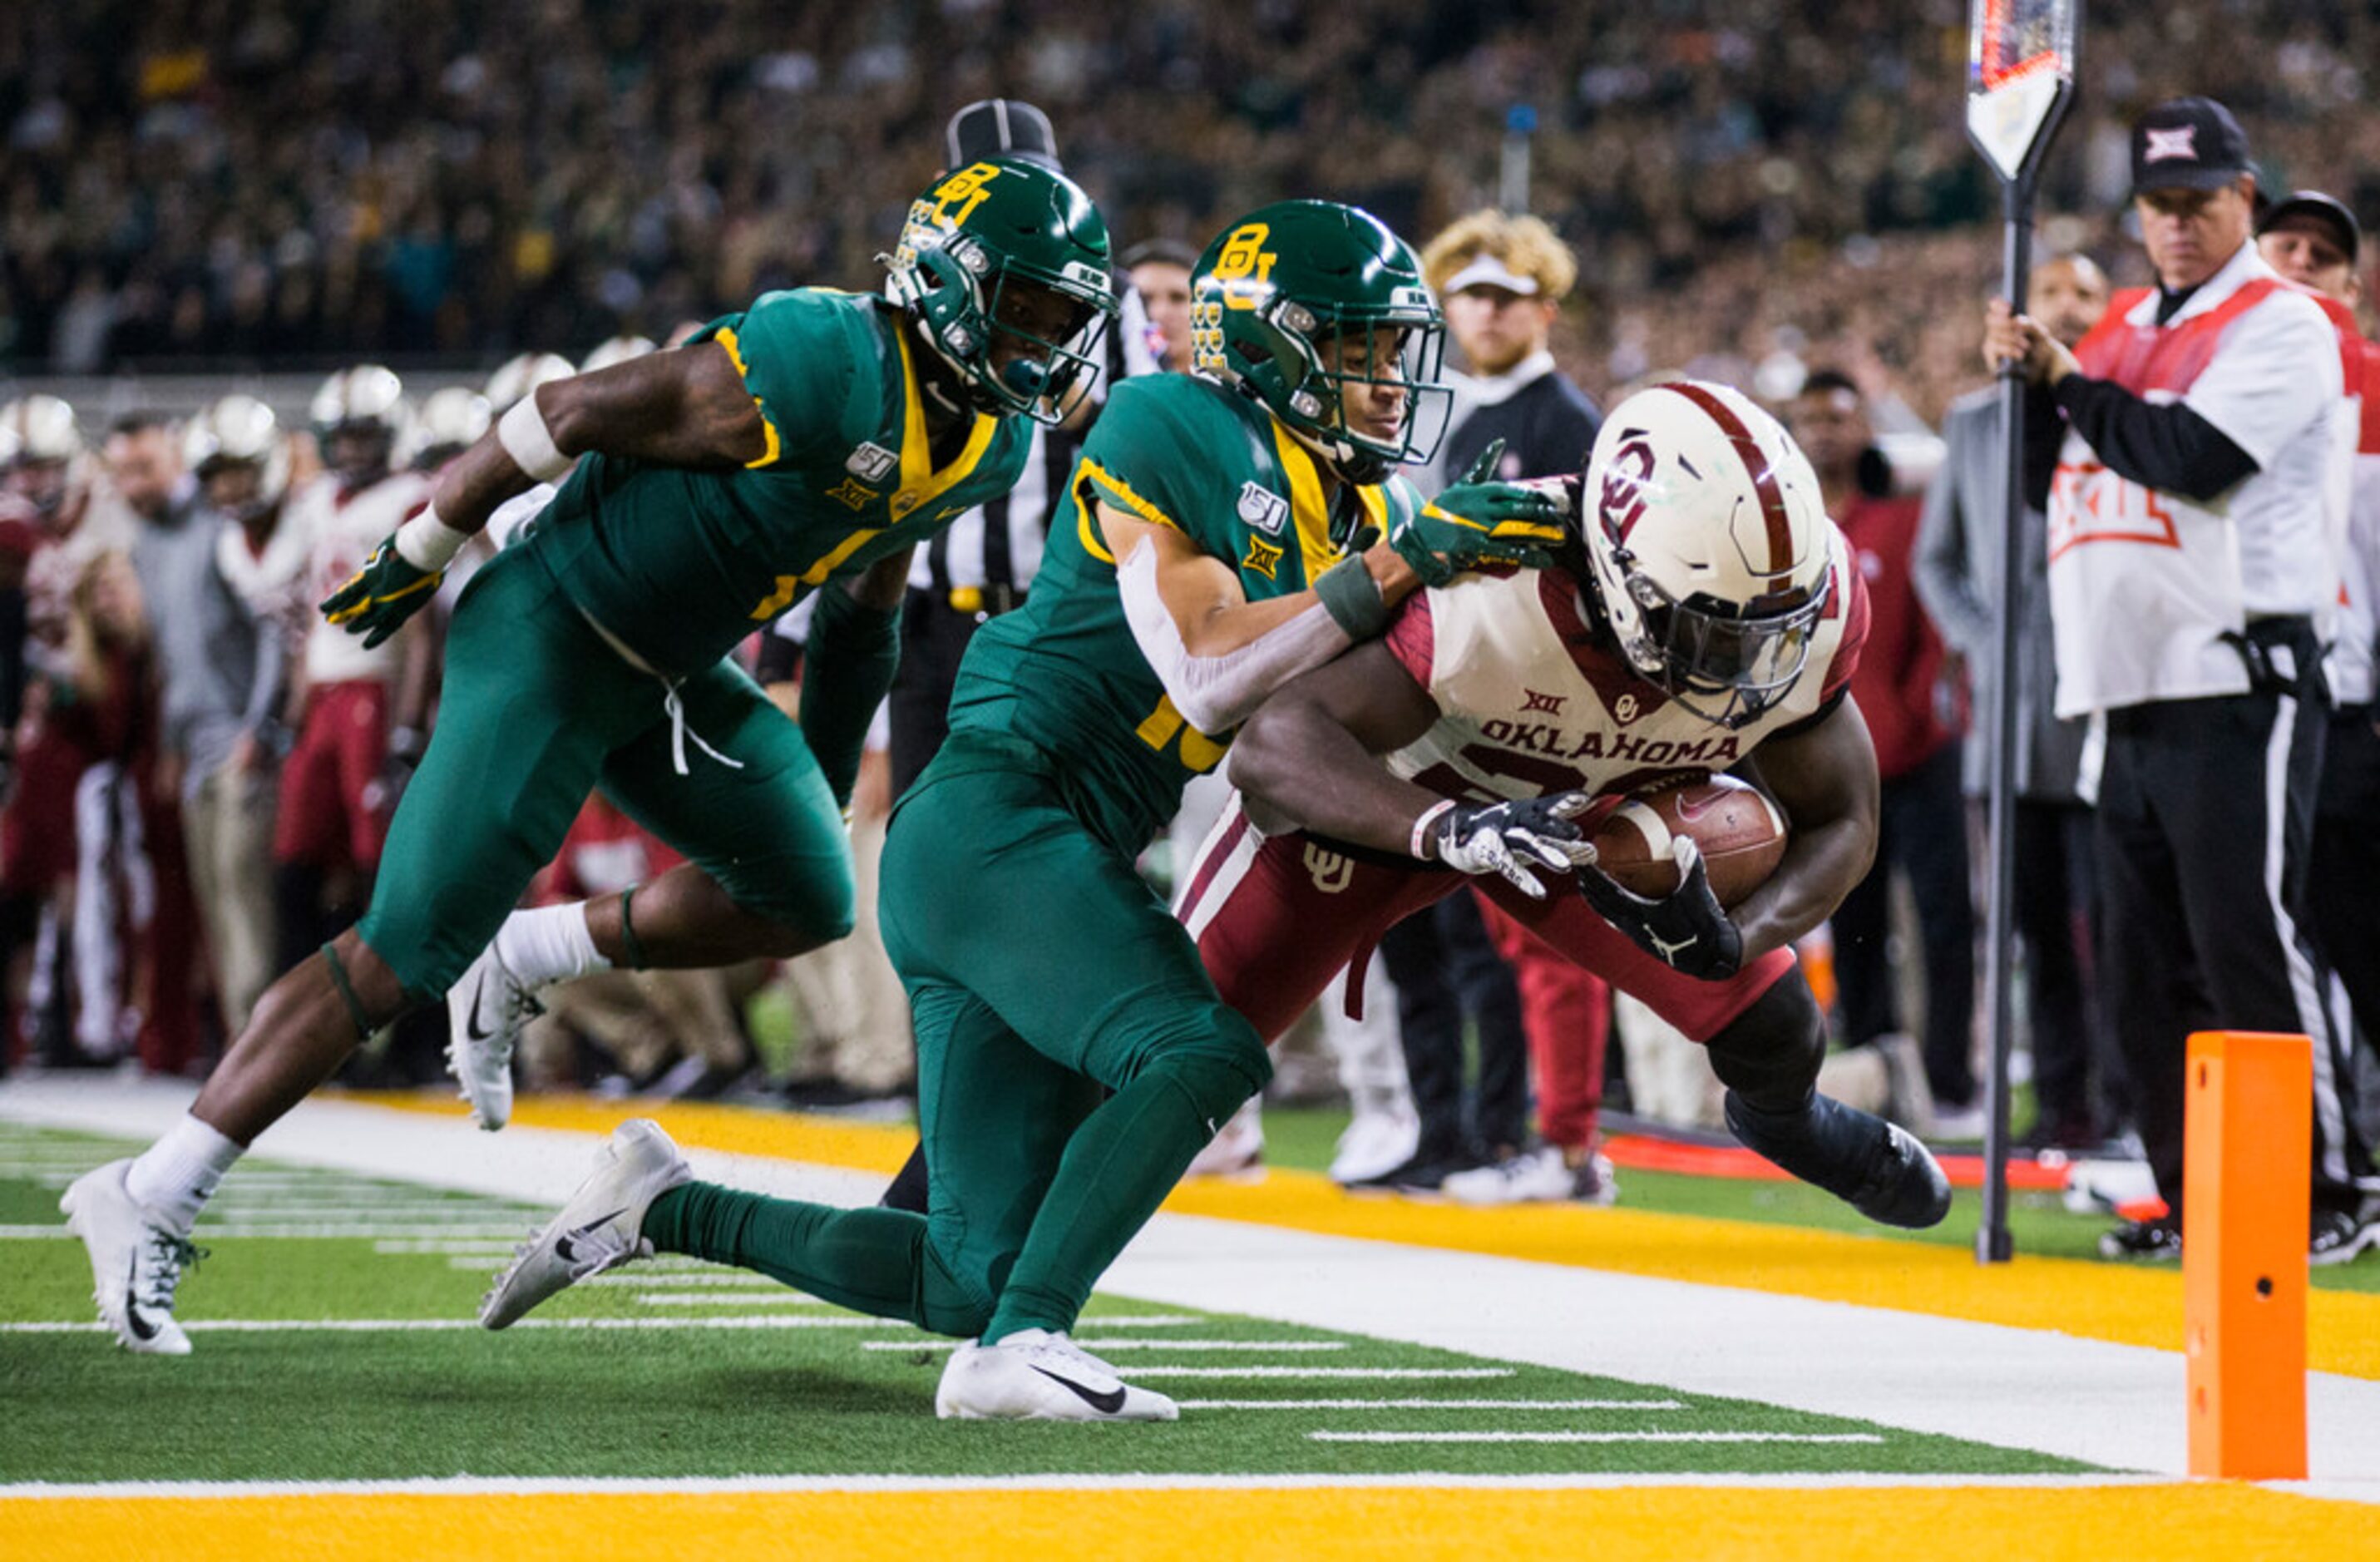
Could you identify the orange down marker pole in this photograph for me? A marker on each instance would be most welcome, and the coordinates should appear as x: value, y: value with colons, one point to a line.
x: 2246, y: 1197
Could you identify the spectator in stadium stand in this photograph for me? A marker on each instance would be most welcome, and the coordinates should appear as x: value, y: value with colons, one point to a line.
x: 1159, y: 271
x: 1909, y: 690
x: 2315, y: 240
x: 1959, y: 543
x: 2208, y: 429
x: 1503, y: 280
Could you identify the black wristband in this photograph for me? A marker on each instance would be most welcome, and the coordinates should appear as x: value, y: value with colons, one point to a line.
x: 1353, y: 598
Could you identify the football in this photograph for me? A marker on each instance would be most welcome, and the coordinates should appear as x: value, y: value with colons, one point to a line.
x: 1740, y: 832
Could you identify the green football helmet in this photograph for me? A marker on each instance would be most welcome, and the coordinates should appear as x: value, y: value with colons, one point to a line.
x: 977, y: 251
x: 1278, y: 297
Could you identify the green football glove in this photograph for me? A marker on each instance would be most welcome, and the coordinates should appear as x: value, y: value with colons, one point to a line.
x: 1480, y: 521
x: 379, y: 597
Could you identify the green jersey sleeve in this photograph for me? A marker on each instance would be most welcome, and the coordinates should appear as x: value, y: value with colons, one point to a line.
x: 812, y: 367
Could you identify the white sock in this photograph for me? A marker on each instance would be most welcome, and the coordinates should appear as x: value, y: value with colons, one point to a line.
x: 177, y: 1175
x: 550, y: 944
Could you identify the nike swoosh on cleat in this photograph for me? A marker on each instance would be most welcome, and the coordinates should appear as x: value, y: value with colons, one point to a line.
x: 1107, y: 1404
x: 562, y: 1244
x: 472, y: 1025
x: 141, y: 1328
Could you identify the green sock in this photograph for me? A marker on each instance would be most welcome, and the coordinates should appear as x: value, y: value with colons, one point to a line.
x: 1118, y: 1167
x: 868, y: 1260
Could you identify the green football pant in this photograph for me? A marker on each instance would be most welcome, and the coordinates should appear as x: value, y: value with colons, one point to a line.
x: 1041, y: 972
x: 537, y: 711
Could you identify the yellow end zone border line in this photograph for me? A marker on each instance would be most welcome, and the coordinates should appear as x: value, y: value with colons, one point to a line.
x: 1785, y: 1519
x: 2119, y: 1304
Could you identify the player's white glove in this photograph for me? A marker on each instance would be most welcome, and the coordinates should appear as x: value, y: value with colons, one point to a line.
x: 1511, y: 838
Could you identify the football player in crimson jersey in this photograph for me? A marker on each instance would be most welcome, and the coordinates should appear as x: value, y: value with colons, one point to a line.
x: 1707, y: 619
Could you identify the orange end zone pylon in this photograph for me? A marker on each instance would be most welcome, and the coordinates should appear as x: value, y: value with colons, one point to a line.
x: 2246, y: 1192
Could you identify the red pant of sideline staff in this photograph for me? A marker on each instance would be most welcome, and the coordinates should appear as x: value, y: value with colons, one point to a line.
x: 1566, y: 1012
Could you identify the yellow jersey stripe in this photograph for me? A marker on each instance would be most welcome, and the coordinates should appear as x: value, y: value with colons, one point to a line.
x: 920, y: 484
x: 1312, y: 513
x: 775, y: 447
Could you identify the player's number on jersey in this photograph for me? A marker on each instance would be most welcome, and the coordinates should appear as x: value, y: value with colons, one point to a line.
x: 1543, y: 776
x: 1165, y: 726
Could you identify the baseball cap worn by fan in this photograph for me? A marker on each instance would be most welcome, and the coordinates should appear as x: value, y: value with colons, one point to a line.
x: 2188, y: 143
x: 2313, y: 205
x: 999, y: 128
x: 1488, y: 270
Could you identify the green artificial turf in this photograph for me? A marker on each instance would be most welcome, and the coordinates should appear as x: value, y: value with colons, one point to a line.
x: 385, y: 1403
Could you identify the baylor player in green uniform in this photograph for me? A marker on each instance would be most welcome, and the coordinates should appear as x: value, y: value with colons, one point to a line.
x: 806, y: 443
x: 1220, y: 534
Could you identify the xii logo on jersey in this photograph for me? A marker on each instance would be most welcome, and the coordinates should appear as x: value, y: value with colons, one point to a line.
x: 852, y: 492
x: 1263, y: 557
x: 1263, y: 508
x: 870, y: 462
x: 1551, y: 704
x: 1332, y: 872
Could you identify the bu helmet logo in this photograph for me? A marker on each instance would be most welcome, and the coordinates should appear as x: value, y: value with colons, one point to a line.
x: 965, y: 190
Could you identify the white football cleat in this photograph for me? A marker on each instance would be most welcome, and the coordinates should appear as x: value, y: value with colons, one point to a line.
x: 1036, y: 1375
x: 1378, y: 1140
x: 135, y: 1261
x: 485, y: 1012
x: 1542, y: 1176
x: 599, y: 1228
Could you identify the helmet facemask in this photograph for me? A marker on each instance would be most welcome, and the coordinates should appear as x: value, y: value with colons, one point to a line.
x: 1729, y: 667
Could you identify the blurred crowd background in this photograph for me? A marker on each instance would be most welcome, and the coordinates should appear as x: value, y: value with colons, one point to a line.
x: 297, y: 182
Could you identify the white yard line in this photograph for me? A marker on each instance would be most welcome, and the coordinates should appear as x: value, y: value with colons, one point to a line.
x: 1430, y: 1404
x: 1450, y: 1374
x: 511, y: 1234
x: 1593, y: 1437
x: 717, y: 1298
x: 404, y: 1325
x: 503, y: 1486
x: 1263, y: 1347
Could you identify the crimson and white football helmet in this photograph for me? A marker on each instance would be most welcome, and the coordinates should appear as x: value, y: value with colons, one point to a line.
x: 1709, y: 547
x: 517, y: 377
x: 363, y: 422
x: 239, y: 430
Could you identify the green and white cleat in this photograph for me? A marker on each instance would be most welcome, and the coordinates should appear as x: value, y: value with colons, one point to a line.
x: 599, y: 1228
x: 137, y: 1259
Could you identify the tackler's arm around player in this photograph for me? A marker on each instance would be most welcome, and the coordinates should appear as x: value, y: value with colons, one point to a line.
x: 686, y: 408
x: 1220, y: 654
x: 1310, y: 757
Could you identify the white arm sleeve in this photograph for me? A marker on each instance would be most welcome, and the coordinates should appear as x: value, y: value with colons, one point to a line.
x: 1216, y: 693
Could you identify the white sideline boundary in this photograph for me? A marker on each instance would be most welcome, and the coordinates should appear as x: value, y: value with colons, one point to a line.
x: 2112, y: 1405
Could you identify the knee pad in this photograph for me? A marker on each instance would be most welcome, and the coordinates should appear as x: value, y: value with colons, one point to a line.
x: 1770, y: 1053
x: 1218, y: 1061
